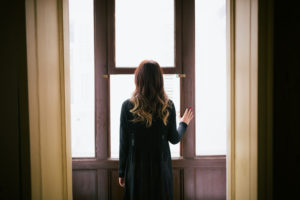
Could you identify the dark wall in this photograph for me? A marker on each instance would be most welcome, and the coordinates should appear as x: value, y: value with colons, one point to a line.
x: 14, y: 129
x: 286, y: 137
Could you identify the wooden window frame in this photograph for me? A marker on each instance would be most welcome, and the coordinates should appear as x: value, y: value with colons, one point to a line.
x: 104, y: 54
x: 113, y: 69
x: 105, y: 66
x: 184, y: 17
x: 246, y: 59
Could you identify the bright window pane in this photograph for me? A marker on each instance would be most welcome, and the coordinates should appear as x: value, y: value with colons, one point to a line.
x: 121, y: 88
x: 211, y: 77
x: 144, y: 29
x: 82, y: 78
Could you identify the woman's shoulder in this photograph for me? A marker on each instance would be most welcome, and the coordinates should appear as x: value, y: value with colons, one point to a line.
x: 126, y: 101
x: 127, y: 104
x: 170, y: 104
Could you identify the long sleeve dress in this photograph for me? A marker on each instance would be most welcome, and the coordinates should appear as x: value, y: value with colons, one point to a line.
x: 145, y: 159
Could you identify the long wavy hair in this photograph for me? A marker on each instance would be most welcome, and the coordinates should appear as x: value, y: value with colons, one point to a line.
x: 149, y: 97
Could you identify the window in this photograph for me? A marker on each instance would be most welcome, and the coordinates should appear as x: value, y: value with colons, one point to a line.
x: 144, y: 29
x: 159, y: 37
x: 211, y: 77
x: 121, y: 42
x: 82, y: 78
x: 121, y: 88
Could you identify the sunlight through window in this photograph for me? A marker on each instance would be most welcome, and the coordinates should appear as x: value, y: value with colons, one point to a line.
x: 211, y: 74
x: 121, y: 88
x: 82, y: 78
x: 144, y: 30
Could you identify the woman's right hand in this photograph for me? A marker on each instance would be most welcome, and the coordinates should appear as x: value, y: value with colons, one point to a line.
x: 187, y: 116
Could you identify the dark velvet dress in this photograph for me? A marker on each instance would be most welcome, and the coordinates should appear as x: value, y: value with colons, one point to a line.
x: 145, y: 159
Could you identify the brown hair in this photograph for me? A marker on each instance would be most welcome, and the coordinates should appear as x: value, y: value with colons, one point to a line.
x: 149, y: 98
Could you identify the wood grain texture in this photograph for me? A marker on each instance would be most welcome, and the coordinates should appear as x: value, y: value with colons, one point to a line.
x: 101, y: 83
x: 193, y: 179
x: 177, y: 184
x: 103, y: 188
x: 189, y: 183
x: 84, y: 184
x: 188, y: 84
x: 205, y: 161
x: 210, y: 183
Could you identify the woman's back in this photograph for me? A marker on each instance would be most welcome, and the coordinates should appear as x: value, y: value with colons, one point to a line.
x: 147, y: 124
x: 148, y: 171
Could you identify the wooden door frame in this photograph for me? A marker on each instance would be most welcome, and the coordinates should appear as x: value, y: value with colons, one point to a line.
x: 242, y: 147
x: 103, y: 39
x: 243, y: 73
x: 49, y: 98
x: 249, y: 164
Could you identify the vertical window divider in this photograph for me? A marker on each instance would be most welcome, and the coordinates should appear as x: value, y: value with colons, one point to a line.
x: 188, y: 67
x: 101, y: 83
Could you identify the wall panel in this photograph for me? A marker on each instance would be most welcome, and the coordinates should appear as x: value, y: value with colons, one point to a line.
x: 210, y: 183
x: 84, y: 184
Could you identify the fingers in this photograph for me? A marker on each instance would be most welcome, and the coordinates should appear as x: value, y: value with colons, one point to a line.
x: 183, y: 116
x: 122, y: 182
x: 189, y: 112
x: 189, y: 115
x: 185, y: 112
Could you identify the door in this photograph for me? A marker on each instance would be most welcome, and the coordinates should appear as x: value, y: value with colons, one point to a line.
x: 119, y: 32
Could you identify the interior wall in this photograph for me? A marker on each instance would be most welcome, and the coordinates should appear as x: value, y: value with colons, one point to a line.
x: 286, y: 135
x: 14, y: 131
x: 14, y: 170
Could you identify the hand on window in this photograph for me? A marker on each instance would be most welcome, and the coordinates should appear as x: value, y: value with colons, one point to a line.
x: 187, y: 116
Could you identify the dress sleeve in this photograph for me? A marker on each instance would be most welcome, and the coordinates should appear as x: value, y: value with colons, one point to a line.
x: 123, y: 150
x: 175, y: 134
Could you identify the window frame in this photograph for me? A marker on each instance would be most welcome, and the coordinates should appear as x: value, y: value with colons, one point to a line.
x: 112, y: 69
x: 104, y: 66
x: 177, y: 69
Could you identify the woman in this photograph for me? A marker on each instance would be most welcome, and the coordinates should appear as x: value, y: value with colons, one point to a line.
x: 147, y: 124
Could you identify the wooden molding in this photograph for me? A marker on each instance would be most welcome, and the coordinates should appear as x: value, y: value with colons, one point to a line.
x: 205, y: 162
x: 244, y: 139
x: 48, y: 93
x: 230, y: 35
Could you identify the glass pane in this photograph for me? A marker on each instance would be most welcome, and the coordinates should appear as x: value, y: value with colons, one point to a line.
x: 82, y: 78
x: 172, y: 88
x: 121, y: 88
x: 211, y: 77
x: 144, y: 29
